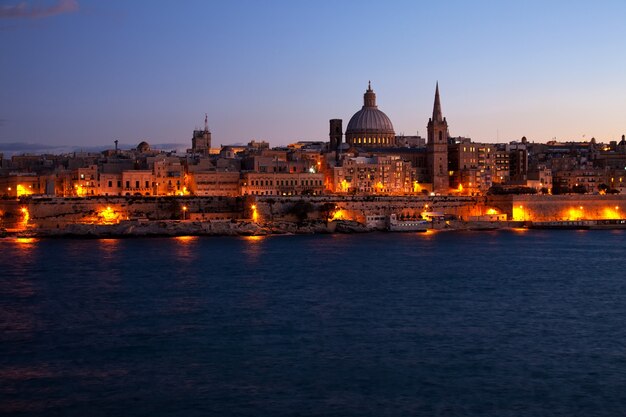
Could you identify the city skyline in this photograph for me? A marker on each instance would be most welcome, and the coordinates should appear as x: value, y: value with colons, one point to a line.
x: 84, y: 73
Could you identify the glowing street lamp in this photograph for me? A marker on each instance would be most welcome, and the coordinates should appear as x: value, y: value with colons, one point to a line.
x: 184, y: 212
x: 255, y: 214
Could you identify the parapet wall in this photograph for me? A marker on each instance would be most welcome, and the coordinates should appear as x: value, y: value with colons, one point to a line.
x: 559, y: 207
x: 58, y: 212
x: 358, y: 207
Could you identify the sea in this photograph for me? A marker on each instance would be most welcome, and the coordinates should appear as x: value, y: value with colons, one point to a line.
x: 490, y: 323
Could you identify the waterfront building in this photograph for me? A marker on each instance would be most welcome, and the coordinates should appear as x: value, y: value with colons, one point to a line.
x: 518, y: 160
x: 86, y: 181
x: 110, y: 184
x: 169, y: 175
x: 214, y: 183
x: 580, y: 180
x: 375, y: 175
x: 282, y: 183
x: 502, y: 172
x: 471, y: 166
x: 139, y: 182
x: 19, y: 184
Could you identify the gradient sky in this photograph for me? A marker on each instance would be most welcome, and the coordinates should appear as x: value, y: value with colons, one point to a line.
x: 79, y: 72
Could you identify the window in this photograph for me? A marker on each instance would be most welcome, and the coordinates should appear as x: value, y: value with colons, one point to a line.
x: 110, y: 184
x: 127, y: 184
x: 136, y: 184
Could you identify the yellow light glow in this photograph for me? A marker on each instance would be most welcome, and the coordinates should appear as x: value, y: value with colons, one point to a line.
x: 611, y: 214
x: 25, y: 216
x: 492, y: 211
x: 255, y: 213
x: 185, y: 239
x: 340, y: 215
x: 574, y: 214
x: 80, y: 190
x: 21, y: 190
x: 345, y: 186
x: 416, y: 187
x: 255, y: 238
x: 520, y: 214
x: 108, y: 216
x: 25, y: 240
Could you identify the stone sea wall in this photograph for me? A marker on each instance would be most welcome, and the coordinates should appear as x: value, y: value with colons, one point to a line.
x: 301, y: 214
x: 559, y: 207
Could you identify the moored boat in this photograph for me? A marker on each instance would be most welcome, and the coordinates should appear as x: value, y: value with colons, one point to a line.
x: 415, y: 225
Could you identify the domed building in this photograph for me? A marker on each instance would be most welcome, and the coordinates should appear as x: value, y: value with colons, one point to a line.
x: 370, y: 127
x: 143, y: 147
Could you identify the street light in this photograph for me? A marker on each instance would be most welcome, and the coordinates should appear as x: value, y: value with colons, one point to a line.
x: 184, y: 211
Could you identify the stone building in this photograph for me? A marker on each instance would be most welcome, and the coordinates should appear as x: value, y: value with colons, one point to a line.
x: 214, y: 183
x: 374, y: 175
x: 201, y: 140
x: 282, y: 183
x: 438, y: 148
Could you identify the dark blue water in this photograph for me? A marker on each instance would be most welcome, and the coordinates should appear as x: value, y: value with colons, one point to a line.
x: 447, y: 324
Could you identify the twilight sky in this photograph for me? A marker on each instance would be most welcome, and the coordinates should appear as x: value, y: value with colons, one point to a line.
x: 80, y: 72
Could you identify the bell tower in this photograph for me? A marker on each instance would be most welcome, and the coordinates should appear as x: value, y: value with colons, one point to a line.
x: 437, y: 148
x: 335, y: 135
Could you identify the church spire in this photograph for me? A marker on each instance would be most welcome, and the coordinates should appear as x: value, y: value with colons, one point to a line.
x: 437, y: 117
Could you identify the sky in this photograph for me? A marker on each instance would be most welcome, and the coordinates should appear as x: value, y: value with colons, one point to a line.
x: 80, y: 72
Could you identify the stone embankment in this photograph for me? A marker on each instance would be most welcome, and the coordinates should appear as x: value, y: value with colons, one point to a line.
x: 172, y: 228
x: 189, y: 228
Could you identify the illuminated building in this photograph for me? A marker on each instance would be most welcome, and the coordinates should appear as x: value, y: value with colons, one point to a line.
x: 282, y: 183
x: 214, y: 183
x: 137, y: 182
x: 375, y: 175
x: 438, y: 148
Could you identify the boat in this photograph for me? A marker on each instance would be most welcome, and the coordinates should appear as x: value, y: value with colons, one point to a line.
x: 417, y: 225
x: 580, y: 224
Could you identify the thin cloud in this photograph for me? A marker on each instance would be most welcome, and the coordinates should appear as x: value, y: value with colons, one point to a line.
x: 24, y: 11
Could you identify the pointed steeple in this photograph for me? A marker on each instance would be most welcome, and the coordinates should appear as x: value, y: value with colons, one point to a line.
x: 206, y: 122
x: 369, y: 98
x: 437, y: 117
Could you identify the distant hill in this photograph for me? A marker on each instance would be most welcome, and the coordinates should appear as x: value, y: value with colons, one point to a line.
x: 17, y: 148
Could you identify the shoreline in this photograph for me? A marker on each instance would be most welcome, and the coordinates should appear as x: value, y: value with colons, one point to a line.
x: 177, y: 228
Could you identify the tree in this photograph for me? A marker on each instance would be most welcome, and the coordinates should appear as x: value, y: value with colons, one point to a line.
x: 301, y: 210
x: 579, y: 189
x: 327, y: 211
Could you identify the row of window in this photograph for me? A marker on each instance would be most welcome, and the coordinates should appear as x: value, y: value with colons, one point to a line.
x: 379, y: 141
x: 270, y: 192
x: 268, y: 183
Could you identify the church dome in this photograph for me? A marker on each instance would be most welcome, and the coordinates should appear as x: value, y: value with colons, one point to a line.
x: 143, y: 147
x: 369, y: 120
x: 370, y: 126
